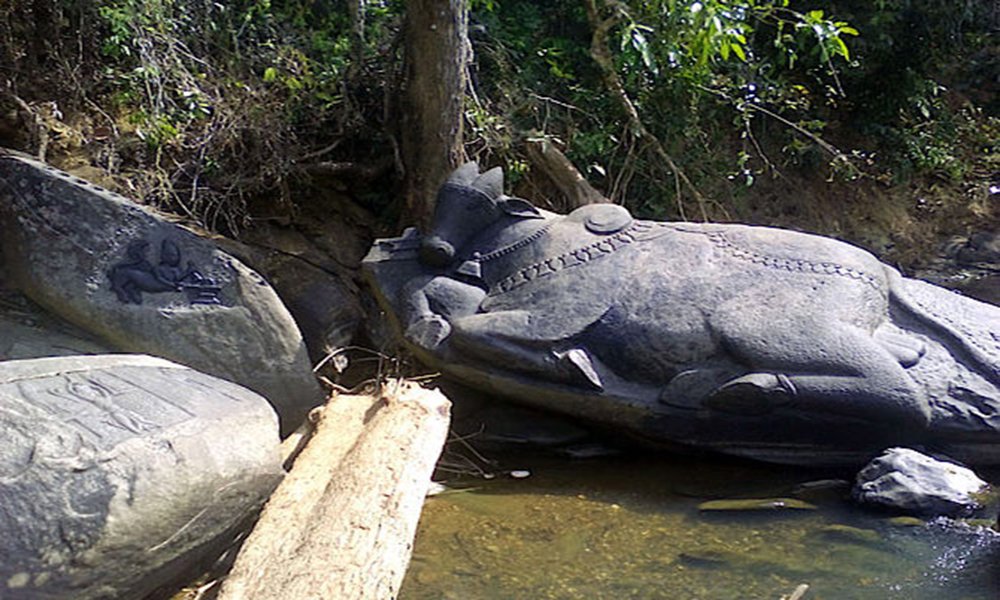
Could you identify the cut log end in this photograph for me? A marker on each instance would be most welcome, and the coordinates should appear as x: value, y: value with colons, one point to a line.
x: 342, y: 523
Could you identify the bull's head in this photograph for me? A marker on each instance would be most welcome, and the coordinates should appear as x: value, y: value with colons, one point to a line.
x: 467, y: 204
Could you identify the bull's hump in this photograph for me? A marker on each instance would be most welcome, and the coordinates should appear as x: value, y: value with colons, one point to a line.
x: 602, y: 219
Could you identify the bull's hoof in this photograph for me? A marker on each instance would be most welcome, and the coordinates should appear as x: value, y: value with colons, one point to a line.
x: 580, y: 367
x: 752, y: 394
x: 428, y: 331
x: 906, y: 350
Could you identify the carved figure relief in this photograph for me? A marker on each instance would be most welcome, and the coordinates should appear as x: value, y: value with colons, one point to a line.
x: 136, y: 275
x: 752, y: 340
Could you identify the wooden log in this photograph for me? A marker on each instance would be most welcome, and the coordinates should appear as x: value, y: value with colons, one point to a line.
x: 341, y: 524
x: 564, y: 175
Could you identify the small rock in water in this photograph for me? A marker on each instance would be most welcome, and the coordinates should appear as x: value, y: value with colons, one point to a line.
x: 905, y: 521
x: 704, y: 558
x: 755, y: 504
x: 910, y: 482
x: 588, y: 450
x: 520, y: 474
x: 853, y: 535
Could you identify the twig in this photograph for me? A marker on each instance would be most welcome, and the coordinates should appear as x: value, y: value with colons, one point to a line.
x: 321, y: 151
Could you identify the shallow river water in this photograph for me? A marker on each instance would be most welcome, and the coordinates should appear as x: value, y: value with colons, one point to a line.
x: 629, y: 527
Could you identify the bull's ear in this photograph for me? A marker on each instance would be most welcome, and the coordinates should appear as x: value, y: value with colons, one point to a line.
x: 520, y: 208
x: 490, y: 183
x: 465, y: 174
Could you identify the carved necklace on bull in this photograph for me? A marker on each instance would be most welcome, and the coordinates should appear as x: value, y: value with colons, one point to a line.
x: 613, y: 224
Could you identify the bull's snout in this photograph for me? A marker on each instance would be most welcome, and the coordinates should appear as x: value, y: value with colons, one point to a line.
x: 436, y: 252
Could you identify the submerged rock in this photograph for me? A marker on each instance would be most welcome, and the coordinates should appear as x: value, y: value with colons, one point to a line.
x: 118, y: 472
x: 756, y: 505
x: 907, y: 481
x: 852, y: 535
x: 143, y: 284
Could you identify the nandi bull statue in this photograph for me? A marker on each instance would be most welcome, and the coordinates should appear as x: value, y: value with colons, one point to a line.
x: 754, y: 341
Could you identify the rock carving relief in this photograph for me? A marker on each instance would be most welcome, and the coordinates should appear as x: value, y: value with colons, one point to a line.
x: 136, y: 275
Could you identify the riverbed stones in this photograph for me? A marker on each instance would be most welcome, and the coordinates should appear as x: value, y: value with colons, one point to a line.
x: 143, y: 284
x: 118, y: 471
x: 907, y: 481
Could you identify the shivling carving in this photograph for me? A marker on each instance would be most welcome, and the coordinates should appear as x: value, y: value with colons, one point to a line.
x: 135, y: 275
x: 750, y: 340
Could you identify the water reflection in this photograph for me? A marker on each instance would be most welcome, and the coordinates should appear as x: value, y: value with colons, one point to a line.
x: 631, y: 528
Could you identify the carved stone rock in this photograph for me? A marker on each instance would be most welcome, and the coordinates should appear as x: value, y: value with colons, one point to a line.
x: 143, y: 284
x: 117, y: 472
x: 753, y: 341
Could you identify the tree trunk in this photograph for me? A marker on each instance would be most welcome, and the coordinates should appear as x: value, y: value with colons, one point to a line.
x: 436, y: 55
x: 341, y: 524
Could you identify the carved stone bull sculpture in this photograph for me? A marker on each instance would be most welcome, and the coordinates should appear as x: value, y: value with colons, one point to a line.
x: 753, y: 341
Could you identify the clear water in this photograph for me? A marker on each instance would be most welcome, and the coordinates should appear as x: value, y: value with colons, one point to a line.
x: 631, y: 528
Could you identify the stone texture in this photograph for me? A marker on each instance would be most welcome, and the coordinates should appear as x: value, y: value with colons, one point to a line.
x: 907, y: 481
x: 753, y: 341
x: 77, y: 250
x: 323, y: 300
x: 27, y: 331
x: 118, y: 472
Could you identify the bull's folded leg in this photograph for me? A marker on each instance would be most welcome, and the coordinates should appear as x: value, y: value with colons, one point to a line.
x: 508, y: 340
x: 753, y: 394
x: 827, y: 366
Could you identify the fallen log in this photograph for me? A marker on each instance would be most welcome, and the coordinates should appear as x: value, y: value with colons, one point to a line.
x: 564, y: 175
x: 341, y: 524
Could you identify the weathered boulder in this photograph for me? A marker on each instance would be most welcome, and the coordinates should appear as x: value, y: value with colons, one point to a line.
x: 907, y: 481
x: 27, y: 331
x: 753, y: 341
x: 146, y: 285
x: 322, y: 298
x: 119, y: 471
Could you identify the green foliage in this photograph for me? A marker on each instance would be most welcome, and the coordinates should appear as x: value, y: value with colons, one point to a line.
x: 700, y: 72
x: 215, y: 104
x: 223, y: 98
x: 740, y: 88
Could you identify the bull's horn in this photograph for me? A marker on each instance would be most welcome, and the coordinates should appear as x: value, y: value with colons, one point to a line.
x: 490, y: 183
x: 465, y: 174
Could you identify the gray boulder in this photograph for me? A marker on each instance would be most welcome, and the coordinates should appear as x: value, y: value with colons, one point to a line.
x: 27, y: 331
x: 907, y: 481
x: 145, y: 285
x: 118, y: 472
x: 754, y: 341
x: 323, y: 299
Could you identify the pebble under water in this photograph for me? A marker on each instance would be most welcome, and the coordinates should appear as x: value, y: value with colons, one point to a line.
x: 629, y: 527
